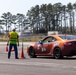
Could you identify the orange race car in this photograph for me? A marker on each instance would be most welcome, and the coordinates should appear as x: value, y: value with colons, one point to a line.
x: 54, y: 45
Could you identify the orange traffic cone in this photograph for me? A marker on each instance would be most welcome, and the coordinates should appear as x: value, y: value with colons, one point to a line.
x: 12, y: 50
x: 6, y: 48
x: 22, y: 52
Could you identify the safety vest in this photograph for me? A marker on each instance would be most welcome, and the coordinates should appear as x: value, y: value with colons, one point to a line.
x: 13, y: 37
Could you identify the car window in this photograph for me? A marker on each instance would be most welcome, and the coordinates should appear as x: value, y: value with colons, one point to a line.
x: 49, y: 39
x: 53, y: 39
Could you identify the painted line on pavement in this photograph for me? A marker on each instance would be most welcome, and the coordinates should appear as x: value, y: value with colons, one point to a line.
x: 40, y: 64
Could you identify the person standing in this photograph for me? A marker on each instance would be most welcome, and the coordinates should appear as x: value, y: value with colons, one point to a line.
x: 13, y: 42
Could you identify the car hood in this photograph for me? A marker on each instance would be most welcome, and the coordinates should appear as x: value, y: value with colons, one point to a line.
x: 33, y: 43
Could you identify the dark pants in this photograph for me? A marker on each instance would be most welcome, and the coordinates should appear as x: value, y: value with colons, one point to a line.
x: 15, y: 48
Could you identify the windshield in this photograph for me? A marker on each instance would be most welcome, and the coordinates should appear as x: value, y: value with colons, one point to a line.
x: 68, y: 37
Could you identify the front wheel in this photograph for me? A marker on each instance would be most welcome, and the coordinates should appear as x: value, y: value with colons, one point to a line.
x: 57, y: 53
x: 31, y: 53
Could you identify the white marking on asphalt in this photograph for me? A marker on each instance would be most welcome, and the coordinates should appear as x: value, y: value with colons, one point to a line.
x: 29, y: 63
x: 40, y: 64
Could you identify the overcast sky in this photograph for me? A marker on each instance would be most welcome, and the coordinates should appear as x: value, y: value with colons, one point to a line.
x: 22, y: 6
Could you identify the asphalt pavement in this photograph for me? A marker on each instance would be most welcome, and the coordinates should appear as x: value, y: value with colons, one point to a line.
x: 34, y: 66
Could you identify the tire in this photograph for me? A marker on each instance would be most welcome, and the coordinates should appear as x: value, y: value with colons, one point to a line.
x: 32, y: 53
x: 57, y: 53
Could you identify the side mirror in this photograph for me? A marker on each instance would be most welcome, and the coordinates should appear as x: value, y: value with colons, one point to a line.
x: 41, y: 42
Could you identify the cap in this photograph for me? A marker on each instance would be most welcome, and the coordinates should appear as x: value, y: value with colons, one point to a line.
x: 14, y: 30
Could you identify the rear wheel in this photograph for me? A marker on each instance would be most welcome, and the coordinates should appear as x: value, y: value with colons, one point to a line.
x: 57, y: 53
x: 32, y: 53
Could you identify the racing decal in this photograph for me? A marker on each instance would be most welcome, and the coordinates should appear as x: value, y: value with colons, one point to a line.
x: 38, y: 46
x: 43, y: 49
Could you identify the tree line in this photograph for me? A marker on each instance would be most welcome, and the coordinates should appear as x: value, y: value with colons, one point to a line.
x: 43, y: 18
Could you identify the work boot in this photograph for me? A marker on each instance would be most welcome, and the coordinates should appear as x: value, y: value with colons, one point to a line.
x: 17, y: 58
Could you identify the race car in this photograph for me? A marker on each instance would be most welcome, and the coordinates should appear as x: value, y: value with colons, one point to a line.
x: 57, y: 46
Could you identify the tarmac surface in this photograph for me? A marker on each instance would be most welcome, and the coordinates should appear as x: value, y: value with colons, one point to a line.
x: 34, y: 66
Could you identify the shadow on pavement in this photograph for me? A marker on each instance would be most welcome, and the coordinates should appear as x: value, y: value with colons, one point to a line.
x: 49, y: 57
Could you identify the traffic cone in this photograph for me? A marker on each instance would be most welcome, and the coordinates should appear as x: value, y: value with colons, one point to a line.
x: 22, y: 52
x: 12, y: 50
x: 6, y: 48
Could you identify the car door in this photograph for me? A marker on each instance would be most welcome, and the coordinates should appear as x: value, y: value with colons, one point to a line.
x: 42, y: 47
x: 45, y: 47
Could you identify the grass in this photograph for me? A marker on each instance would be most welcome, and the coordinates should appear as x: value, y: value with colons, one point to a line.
x: 32, y: 39
x: 25, y: 39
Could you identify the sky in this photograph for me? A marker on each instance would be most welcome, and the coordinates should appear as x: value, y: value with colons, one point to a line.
x: 22, y: 6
